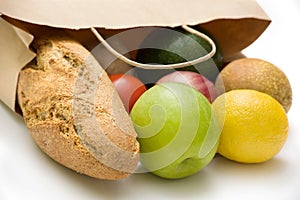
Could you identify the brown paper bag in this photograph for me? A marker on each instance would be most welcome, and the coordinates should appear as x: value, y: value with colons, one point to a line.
x: 234, y: 25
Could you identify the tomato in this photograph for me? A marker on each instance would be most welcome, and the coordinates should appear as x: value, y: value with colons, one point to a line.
x: 129, y: 89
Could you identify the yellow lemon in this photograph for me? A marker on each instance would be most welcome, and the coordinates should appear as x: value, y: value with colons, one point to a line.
x: 255, y: 125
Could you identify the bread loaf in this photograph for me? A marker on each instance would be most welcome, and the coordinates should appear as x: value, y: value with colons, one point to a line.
x: 74, y: 113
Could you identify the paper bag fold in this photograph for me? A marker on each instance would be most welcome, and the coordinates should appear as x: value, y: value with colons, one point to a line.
x: 120, y: 14
x: 14, y: 55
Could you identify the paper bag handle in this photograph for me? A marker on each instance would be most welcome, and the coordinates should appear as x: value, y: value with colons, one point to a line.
x: 161, y: 66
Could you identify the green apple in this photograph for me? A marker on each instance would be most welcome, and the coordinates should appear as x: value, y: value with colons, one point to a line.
x: 177, y: 130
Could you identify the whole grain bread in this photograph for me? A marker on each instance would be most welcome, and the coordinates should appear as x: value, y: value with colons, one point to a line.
x: 74, y: 113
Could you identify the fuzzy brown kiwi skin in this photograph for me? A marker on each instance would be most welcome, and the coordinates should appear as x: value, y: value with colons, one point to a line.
x: 256, y: 74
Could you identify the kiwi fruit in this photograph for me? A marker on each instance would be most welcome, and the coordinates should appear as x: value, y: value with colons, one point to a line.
x: 256, y: 74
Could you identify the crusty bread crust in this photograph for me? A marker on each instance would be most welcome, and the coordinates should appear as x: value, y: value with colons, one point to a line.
x: 74, y: 113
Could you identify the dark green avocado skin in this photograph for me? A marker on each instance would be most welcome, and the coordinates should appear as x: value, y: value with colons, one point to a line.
x: 169, y: 46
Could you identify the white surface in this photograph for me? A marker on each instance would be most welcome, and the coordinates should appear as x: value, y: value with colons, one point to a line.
x: 27, y: 173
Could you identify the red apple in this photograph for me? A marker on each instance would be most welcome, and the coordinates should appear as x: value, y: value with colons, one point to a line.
x: 199, y: 82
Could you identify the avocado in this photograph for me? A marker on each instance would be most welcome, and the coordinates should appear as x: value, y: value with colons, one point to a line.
x: 175, y: 45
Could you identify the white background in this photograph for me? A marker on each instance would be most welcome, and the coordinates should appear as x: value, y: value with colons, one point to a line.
x: 27, y: 173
